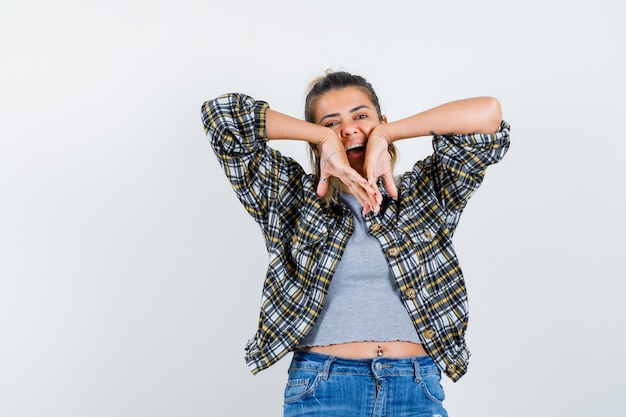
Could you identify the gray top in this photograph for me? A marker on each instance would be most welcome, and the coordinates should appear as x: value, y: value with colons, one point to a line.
x: 363, y: 301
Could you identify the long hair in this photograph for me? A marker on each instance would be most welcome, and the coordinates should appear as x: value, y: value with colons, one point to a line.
x: 332, y: 80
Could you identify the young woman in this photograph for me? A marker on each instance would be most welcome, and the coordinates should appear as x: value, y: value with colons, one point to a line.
x: 363, y: 284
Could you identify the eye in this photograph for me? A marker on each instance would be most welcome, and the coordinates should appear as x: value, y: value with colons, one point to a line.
x: 331, y: 124
x: 361, y: 116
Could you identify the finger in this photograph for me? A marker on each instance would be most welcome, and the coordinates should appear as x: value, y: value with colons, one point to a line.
x: 359, y: 188
x: 373, y: 182
x: 374, y: 196
x: 368, y: 197
x: 390, y: 185
x: 322, y: 187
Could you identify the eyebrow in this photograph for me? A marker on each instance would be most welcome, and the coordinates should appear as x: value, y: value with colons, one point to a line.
x: 355, y: 109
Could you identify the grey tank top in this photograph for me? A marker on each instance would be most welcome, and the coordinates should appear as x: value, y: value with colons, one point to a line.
x: 363, y: 301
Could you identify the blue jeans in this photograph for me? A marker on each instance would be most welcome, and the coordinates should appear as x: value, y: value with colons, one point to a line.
x: 328, y: 386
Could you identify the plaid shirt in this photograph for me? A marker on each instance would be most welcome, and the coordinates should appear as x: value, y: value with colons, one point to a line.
x: 305, y: 239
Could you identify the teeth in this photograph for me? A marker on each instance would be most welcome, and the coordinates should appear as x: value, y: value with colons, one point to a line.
x: 355, y: 146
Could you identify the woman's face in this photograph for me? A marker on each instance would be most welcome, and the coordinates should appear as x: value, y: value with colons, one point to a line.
x: 352, y: 115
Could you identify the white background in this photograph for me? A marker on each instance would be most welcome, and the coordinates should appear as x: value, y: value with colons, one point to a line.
x: 130, y: 276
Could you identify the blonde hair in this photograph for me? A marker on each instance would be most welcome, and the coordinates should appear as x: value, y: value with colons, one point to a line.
x: 332, y: 80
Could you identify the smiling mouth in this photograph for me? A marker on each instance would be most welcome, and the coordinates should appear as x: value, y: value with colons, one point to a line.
x: 356, y: 148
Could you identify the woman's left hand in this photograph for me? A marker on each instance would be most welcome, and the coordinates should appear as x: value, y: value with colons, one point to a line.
x: 378, y: 161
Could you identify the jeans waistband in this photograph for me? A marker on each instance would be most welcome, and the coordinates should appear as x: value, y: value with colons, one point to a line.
x: 377, y: 366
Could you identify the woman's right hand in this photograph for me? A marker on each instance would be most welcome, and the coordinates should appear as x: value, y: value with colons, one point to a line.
x: 334, y: 162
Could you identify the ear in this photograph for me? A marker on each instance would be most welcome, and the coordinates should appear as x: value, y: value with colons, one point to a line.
x: 383, y: 119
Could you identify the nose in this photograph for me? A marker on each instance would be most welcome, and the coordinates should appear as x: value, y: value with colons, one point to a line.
x: 348, y: 129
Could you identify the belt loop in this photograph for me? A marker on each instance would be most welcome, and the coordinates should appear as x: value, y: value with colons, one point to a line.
x: 416, y: 367
x: 326, y: 367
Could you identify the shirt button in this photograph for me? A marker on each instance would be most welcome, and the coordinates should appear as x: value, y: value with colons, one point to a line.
x: 294, y: 239
x: 429, y: 333
x: 393, y: 252
x: 428, y: 234
x: 450, y: 369
x: 410, y: 293
x: 375, y: 228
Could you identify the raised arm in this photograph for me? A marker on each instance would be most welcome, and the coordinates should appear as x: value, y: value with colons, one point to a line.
x: 472, y: 115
